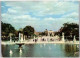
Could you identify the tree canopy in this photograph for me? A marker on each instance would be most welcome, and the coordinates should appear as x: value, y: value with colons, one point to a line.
x: 28, y: 30
x: 7, y: 28
x: 70, y: 29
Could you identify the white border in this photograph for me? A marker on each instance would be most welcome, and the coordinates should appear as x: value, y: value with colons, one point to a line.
x: 0, y: 29
x: 40, y: 0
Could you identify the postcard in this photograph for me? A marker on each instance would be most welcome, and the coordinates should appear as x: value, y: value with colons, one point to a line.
x: 40, y: 28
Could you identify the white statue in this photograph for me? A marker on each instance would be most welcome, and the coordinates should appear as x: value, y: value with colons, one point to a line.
x: 74, y: 40
x: 63, y: 37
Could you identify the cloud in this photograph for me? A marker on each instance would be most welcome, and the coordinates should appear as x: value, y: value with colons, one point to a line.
x: 12, y: 10
x: 41, y: 8
x: 72, y: 15
x: 16, y: 18
x: 39, y: 25
x: 20, y: 14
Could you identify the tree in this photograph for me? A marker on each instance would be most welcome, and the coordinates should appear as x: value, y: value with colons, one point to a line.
x: 7, y: 28
x: 29, y: 31
x: 42, y: 33
x: 70, y: 29
x: 16, y: 33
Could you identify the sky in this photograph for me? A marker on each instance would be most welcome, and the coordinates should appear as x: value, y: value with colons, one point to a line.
x: 41, y: 15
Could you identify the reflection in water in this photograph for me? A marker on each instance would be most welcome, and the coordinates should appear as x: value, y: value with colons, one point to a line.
x: 40, y: 50
x: 49, y: 48
x: 11, y: 53
x: 71, y: 49
x: 54, y: 44
x: 40, y: 45
x: 30, y: 50
x: 20, y: 52
x: 44, y: 44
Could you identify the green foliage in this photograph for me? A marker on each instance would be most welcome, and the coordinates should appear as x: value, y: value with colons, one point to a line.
x: 70, y: 29
x: 7, y: 28
x: 42, y: 34
x: 16, y: 33
x: 28, y: 30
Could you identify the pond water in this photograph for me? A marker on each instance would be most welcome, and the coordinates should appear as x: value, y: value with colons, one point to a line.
x: 40, y: 50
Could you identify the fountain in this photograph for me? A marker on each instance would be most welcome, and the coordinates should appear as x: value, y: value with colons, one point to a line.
x: 20, y: 44
x: 20, y: 40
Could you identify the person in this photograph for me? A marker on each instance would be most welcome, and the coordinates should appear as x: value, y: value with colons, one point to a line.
x: 51, y: 39
x: 43, y: 39
x: 35, y: 40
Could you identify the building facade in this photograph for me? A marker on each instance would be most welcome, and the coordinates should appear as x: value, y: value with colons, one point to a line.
x: 49, y: 33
